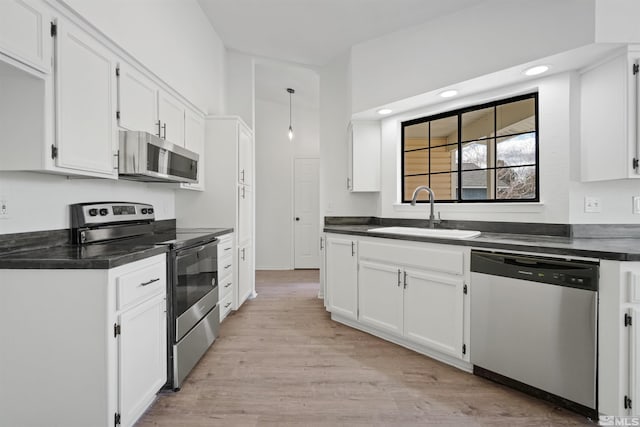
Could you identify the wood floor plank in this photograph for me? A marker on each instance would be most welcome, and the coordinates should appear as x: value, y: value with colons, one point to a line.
x: 281, y: 361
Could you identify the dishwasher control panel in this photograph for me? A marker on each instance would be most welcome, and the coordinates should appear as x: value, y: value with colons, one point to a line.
x: 571, y: 273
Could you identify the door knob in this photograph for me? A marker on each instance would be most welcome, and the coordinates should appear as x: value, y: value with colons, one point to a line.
x: 297, y: 218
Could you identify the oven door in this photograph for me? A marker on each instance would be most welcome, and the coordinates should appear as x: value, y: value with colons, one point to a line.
x: 195, y: 291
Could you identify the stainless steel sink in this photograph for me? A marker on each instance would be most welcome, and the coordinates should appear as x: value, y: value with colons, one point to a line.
x: 427, y: 232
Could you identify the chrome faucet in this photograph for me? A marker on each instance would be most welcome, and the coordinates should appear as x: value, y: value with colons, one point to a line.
x: 432, y: 218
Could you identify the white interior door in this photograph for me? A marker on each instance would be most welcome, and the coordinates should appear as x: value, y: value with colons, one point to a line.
x: 307, y: 215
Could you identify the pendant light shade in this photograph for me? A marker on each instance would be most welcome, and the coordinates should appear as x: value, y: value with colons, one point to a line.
x: 291, y: 92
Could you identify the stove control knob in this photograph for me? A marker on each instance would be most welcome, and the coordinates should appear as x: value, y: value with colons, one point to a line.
x: 93, y: 212
x: 143, y: 211
x: 103, y: 212
x: 150, y: 210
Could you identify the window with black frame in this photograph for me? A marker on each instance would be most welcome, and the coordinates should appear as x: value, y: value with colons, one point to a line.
x: 485, y: 153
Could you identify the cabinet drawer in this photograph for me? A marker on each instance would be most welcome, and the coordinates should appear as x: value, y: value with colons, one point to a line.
x: 225, y: 266
x: 225, y: 286
x: 139, y: 285
x: 225, y: 246
x: 225, y: 306
x: 445, y: 259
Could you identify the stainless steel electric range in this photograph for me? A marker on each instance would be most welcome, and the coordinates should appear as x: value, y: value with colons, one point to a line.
x: 193, y: 313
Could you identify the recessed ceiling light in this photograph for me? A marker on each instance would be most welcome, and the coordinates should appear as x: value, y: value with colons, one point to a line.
x: 538, y: 69
x: 384, y: 111
x: 449, y: 93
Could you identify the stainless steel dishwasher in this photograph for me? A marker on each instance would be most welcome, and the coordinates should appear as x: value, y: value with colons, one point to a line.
x: 534, y: 326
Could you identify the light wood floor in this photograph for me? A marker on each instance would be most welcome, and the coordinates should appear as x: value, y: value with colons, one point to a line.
x: 280, y: 360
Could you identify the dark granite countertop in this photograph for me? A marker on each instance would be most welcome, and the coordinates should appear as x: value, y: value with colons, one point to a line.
x: 98, y: 256
x: 618, y: 249
x: 65, y: 255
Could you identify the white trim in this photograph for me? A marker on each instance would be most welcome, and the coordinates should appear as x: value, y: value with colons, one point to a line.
x: 277, y: 268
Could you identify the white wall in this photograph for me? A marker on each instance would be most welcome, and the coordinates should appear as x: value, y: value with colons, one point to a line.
x: 240, y: 83
x: 494, y: 35
x: 40, y: 201
x: 274, y: 159
x: 617, y: 21
x: 172, y: 38
x: 335, y: 114
x: 555, y: 98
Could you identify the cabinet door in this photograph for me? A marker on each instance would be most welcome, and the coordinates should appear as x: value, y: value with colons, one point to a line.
x: 380, y: 290
x: 246, y: 273
x: 245, y: 156
x: 142, y: 357
x: 194, y: 141
x: 245, y: 214
x: 364, y: 156
x: 433, y: 311
x: 86, y: 103
x: 137, y: 101
x: 171, y: 114
x: 634, y: 361
x: 25, y: 33
x: 342, y: 277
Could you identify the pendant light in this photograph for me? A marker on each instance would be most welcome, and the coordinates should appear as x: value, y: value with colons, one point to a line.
x: 291, y: 92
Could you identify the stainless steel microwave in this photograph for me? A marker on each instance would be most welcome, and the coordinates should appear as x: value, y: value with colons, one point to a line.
x: 147, y: 157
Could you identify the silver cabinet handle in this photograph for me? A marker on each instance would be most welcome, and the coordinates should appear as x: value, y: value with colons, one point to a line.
x: 164, y: 128
x: 405, y: 280
x: 149, y: 282
x: 227, y: 266
x: 227, y: 305
x: 243, y: 254
x: 243, y: 192
x: 348, y: 183
x: 159, y: 129
x: 242, y: 174
x: 399, y: 277
x: 227, y: 285
x: 321, y: 243
x: 353, y: 248
x: 227, y: 249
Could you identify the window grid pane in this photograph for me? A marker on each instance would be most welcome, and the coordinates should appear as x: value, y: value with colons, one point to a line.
x: 494, y: 146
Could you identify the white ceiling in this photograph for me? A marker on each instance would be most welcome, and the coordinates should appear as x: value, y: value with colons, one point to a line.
x: 273, y: 79
x: 312, y: 32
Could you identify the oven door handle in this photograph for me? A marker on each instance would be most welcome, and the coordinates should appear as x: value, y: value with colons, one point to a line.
x: 189, y: 252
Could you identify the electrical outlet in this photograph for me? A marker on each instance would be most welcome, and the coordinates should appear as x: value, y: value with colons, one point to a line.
x: 636, y: 204
x: 592, y: 204
x: 4, y: 209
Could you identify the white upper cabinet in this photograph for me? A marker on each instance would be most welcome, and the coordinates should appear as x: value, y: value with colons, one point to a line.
x: 194, y: 141
x: 363, y: 156
x: 25, y: 33
x: 137, y: 101
x: 86, y: 134
x: 171, y: 113
x: 245, y: 155
x: 609, y: 120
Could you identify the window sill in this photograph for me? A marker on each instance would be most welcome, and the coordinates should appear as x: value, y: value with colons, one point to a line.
x: 514, y: 207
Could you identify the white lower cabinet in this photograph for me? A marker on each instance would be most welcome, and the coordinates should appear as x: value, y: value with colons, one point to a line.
x: 409, y: 292
x: 342, y: 276
x: 380, y: 296
x: 246, y: 273
x: 433, y: 311
x: 142, y: 357
x: 423, y: 307
x: 84, y: 347
x: 226, y: 285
